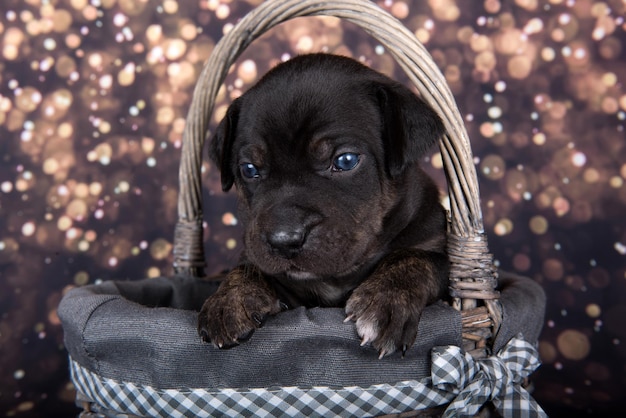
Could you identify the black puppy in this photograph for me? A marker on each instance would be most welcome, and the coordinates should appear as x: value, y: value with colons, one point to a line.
x: 324, y: 154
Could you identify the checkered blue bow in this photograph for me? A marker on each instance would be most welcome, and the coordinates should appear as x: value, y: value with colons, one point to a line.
x: 497, y: 379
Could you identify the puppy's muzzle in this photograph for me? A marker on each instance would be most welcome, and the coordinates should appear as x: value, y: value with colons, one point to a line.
x: 287, y: 241
x: 285, y: 229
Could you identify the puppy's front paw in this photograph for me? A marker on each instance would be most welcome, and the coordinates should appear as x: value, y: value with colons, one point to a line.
x: 385, y: 317
x: 240, y: 306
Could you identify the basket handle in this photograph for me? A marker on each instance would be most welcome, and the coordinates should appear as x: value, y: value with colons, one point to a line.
x: 473, y: 275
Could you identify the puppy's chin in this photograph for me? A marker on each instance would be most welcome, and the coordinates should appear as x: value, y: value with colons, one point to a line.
x: 300, y: 268
x: 304, y: 288
x: 312, y: 265
x: 301, y: 275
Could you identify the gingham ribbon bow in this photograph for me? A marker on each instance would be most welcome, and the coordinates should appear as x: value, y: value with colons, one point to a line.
x: 497, y: 379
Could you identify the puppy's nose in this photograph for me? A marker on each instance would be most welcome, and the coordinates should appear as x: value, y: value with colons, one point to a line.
x: 287, y: 242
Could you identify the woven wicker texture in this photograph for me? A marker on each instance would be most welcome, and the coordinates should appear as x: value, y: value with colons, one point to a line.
x: 473, y: 277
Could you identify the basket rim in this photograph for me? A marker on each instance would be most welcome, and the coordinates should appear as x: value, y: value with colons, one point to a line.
x: 137, y: 330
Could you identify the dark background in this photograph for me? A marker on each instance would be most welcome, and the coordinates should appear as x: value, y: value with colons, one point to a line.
x: 93, y: 96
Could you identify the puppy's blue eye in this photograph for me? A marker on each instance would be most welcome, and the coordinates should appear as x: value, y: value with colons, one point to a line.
x: 346, y: 162
x: 249, y: 170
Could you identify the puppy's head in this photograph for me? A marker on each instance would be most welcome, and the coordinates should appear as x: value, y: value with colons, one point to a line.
x: 321, y: 151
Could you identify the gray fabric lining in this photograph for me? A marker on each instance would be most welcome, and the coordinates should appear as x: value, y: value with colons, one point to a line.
x: 145, y: 332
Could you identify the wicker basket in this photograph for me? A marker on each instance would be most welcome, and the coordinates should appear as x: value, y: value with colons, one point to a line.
x: 473, y: 280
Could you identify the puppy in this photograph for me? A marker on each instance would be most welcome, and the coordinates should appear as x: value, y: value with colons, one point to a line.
x: 324, y: 154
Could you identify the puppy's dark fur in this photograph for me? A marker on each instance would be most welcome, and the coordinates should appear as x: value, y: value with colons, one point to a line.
x: 324, y: 154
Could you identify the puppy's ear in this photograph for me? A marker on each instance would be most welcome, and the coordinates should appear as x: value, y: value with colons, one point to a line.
x: 221, y: 146
x: 410, y: 126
